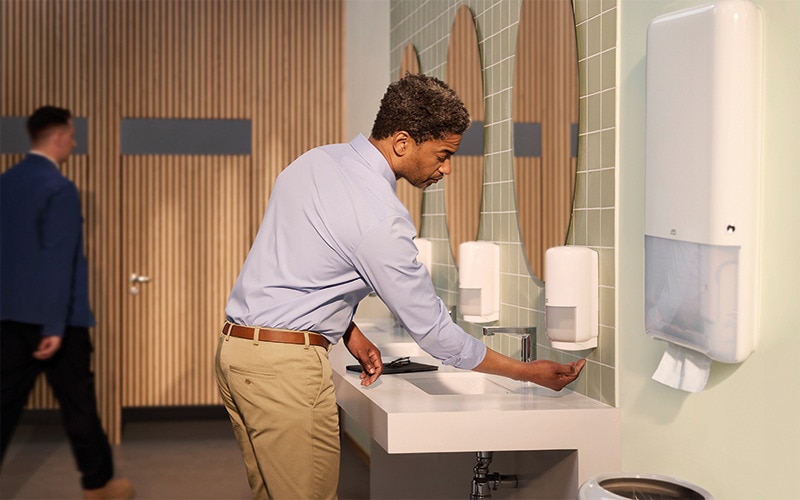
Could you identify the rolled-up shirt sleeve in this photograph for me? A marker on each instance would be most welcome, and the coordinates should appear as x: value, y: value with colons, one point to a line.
x: 386, y: 259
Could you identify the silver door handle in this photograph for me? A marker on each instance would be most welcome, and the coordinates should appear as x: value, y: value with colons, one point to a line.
x: 135, y: 280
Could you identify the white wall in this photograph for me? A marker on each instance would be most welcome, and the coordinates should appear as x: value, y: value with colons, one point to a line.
x: 367, y: 70
x: 740, y: 437
x: 367, y: 63
x: 367, y: 74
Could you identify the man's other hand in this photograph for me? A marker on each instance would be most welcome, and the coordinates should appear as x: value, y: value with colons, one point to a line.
x: 366, y: 353
x: 47, y: 347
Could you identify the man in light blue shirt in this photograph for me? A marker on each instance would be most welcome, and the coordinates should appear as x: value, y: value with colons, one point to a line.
x: 334, y: 231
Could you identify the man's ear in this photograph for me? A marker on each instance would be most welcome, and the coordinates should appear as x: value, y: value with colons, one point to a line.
x: 401, y: 142
x: 59, y: 134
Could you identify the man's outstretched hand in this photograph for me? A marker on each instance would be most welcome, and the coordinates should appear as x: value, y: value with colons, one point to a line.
x: 546, y: 373
x: 556, y: 375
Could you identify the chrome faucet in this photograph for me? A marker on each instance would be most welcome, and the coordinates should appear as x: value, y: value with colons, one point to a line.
x: 453, y: 313
x: 525, y: 334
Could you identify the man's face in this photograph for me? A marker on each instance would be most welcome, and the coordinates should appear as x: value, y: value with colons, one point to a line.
x: 429, y: 162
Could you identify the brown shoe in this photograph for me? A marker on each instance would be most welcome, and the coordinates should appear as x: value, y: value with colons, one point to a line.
x: 116, y: 489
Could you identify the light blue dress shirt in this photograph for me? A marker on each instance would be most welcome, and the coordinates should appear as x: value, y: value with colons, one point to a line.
x: 333, y: 231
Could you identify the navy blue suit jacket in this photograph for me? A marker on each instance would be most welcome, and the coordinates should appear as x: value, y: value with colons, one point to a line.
x: 43, y: 270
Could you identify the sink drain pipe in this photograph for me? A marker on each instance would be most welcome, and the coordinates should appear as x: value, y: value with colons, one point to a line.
x: 484, y: 482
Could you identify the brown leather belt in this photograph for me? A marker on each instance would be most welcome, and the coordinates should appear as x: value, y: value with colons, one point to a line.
x: 271, y: 335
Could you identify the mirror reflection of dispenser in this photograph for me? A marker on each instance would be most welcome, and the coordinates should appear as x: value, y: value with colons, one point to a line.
x: 479, y: 281
x: 425, y: 253
x: 571, y: 297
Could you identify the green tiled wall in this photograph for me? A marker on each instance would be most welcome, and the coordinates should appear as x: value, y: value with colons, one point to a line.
x: 426, y: 25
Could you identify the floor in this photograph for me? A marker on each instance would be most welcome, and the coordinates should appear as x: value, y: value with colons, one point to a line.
x: 166, y: 456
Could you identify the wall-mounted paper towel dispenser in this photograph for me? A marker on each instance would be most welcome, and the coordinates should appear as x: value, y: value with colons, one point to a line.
x: 703, y: 155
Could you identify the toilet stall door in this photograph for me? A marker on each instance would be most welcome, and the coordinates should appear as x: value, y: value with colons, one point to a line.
x: 247, y: 87
x: 186, y: 233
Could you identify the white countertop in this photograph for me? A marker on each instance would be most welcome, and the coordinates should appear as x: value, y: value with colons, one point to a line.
x: 403, y: 418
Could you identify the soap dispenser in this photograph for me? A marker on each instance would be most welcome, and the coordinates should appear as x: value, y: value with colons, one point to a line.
x: 571, y: 297
x: 479, y: 281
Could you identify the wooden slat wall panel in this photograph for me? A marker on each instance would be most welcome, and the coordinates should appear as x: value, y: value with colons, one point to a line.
x: 546, y: 92
x: 297, y: 67
x: 463, y: 187
x: 48, y: 59
x: 410, y: 196
x: 278, y: 63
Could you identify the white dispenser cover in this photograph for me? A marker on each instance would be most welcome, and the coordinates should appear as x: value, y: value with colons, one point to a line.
x: 571, y: 297
x: 691, y: 294
x: 702, y: 169
x: 425, y: 253
x: 479, y: 281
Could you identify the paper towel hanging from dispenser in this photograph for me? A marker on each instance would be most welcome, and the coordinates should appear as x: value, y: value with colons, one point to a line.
x: 702, y: 171
x: 479, y: 281
x: 571, y: 297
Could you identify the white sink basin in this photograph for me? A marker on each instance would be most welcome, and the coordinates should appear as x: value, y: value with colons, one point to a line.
x: 443, y: 384
x: 466, y: 383
x: 453, y: 382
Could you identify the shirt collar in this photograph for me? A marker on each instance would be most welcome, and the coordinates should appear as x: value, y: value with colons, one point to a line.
x: 374, y: 159
x: 39, y: 153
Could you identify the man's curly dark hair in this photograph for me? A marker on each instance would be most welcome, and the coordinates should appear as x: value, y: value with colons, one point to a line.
x: 423, y: 106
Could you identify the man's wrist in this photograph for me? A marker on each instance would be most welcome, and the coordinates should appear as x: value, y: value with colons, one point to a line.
x: 53, y: 330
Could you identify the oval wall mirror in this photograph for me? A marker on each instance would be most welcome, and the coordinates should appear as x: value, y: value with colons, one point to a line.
x: 408, y: 194
x: 545, y: 115
x: 463, y: 187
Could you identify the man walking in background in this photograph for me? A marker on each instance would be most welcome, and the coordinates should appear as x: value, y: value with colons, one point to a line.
x: 44, y: 300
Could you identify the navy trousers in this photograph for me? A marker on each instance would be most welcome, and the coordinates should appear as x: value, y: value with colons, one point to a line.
x: 70, y: 376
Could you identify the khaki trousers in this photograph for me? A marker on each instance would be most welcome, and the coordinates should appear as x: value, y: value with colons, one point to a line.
x: 282, y: 405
